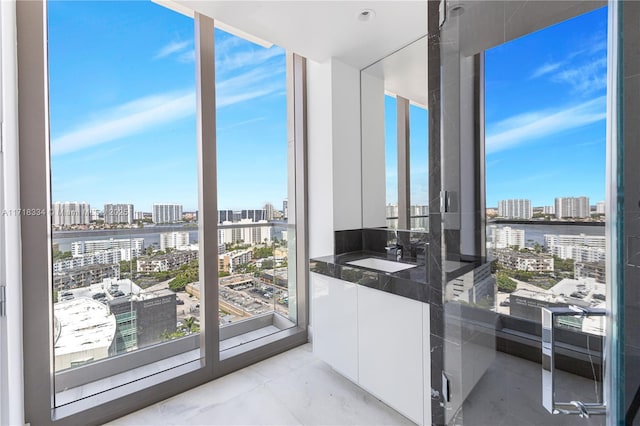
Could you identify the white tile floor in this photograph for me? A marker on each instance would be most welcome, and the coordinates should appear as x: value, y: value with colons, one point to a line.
x: 293, y: 388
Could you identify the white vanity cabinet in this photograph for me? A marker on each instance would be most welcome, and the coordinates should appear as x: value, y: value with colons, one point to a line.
x: 335, y: 323
x: 390, y: 350
x: 376, y: 339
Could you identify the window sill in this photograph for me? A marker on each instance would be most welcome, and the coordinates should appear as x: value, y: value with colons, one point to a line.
x: 90, y: 395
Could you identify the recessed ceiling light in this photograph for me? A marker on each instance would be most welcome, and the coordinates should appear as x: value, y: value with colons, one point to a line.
x: 366, y: 15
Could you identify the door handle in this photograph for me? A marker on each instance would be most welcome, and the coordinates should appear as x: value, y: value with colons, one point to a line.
x: 582, y: 409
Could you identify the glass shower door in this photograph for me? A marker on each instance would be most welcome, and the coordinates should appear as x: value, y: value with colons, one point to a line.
x: 510, y: 101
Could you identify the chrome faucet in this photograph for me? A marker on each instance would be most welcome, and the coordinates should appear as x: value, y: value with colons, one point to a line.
x: 394, y: 250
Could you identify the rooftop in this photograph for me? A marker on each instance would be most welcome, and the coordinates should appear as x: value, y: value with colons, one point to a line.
x: 82, y: 324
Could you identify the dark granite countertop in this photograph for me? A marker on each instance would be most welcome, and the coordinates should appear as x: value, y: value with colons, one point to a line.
x: 410, y: 283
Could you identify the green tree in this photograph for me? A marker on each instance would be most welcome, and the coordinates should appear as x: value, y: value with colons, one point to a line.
x: 129, y: 266
x: 262, y: 252
x: 185, y: 275
x: 505, y: 283
x: 562, y: 265
x: 190, y: 325
x: 61, y: 255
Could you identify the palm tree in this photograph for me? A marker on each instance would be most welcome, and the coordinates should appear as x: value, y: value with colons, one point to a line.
x: 190, y: 324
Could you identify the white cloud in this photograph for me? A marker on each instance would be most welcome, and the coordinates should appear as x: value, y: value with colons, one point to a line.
x: 250, y: 85
x: 247, y: 58
x: 241, y: 123
x: 531, y: 126
x: 171, y: 48
x: 136, y: 116
x: 126, y: 120
x: 586, y: 78
x: 546, y: 69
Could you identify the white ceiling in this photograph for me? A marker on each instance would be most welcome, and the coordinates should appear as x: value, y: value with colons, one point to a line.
x: 320, y: 30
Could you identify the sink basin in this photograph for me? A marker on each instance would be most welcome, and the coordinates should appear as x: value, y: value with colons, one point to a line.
x: 381, y: 264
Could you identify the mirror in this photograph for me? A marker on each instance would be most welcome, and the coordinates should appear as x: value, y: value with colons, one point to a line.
x: 394, y: 135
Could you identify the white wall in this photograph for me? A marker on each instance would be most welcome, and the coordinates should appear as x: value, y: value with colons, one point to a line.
x: 334, y: 163
x: 347, y: 175
x: 11, y: 374
x: 320, y: 155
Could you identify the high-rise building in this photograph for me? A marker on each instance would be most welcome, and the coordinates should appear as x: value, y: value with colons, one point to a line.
x: 118, y: 213
x: 285, y: 207
x: 166, y: 213
x: 572, y: 207
x: 71, y: 213
x: 392, y: 210
x: 549, y: 210
x: 600, y: 206
x: 255, y: 215
x: 235, y: 216
x: 268, y: 211
x: 515, y: 209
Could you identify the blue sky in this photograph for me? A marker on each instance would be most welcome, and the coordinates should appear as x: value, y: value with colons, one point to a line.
x: 418, y: 144
x: 123, y: 112
x: 122, y: 108
x: 545, y: 113
x: 545, y: 118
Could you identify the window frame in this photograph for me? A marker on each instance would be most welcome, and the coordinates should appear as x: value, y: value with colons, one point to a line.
x: 35, y: 182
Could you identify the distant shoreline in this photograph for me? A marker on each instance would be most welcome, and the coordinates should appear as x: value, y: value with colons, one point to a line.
x: 542, y: 222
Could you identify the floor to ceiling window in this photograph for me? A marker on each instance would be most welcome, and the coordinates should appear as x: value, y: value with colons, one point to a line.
x: 256, y: 274
x: 134, y: 255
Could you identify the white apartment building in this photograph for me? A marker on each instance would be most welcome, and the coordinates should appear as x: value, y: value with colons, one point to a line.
x: 580, y: 248
x: 248, y: 235
x: 392, y: 210
x: 138, y: 215
x: 166, y: 262
x: 551, y: 240
x: 549, y: 210
x: 166, y: 213
x: 268, y: 211
x: 173, y: 240
x: 572, y: 207
x: 106, y: 256
x: 506, y: 237
x: 118, y: 213
x: 600, y: 206
x: 134, y: 245
x: 515, y: 209
x: 71, y: 213
x: 229, y: 261
x: 579, y: 253
x: 531, y: 262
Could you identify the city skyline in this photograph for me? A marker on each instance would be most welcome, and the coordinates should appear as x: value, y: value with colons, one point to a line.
x: 262, y: 207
